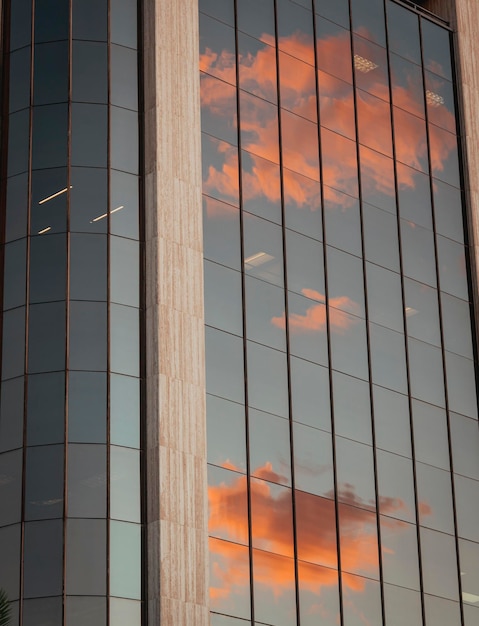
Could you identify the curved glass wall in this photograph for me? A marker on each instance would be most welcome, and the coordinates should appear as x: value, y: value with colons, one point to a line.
x: 70, y: 532
x: 342, y: 407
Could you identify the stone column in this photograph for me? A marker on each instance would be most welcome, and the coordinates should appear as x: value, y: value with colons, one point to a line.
x: 175, y: 389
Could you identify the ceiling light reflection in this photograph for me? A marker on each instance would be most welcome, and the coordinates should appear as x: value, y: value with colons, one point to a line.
x: 434, y: 99
x: 55, y: 195
x: 364, y: 65
x: 101, y: 217
x: 255, y: 260
x: 45, y: 230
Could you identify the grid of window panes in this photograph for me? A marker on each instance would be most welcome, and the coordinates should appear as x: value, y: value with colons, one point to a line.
x: 342, y: 412
x: 70, y: 543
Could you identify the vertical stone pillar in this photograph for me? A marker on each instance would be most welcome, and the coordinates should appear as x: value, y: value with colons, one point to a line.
x: 175, y: 389
x: 463, y: 16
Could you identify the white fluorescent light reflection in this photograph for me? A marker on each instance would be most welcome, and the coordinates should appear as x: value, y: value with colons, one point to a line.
x: 410, y: 311
x: 434, y: 99
x: 45, y: 230
x: 364, y: 65
x: 470, y: 598
x: 101, y: 217
x: 55, y: 195
x: 255, y: 260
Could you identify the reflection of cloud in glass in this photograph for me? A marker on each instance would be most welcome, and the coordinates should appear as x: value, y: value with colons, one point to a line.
x: 314, y: 319
x: 259, y: 125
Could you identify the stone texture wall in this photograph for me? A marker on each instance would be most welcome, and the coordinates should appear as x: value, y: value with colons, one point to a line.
x: 175, y: 397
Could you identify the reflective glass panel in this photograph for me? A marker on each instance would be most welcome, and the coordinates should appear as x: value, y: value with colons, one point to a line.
x: 228, y: 594
x: 439, y: 564
x: 44, y: 482
x: 43, y: 559
x: 86, y: 562
x: 270, y: 449
x: 274, y: 589
x: 86, y: 480
x: 226, y: 433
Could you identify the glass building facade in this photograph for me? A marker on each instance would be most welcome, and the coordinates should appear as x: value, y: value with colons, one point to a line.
x: 341, y: 404
x: 341, y: 400
x: 70, y: 532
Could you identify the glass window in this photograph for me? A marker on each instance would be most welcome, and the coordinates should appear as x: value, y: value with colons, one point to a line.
x: 297, y: 84
x: 274, y: 593
x: 261, y: 188
x: 377, y: 179
x: 47, y: 611
x: 299, y: 147
x: 444, y: 156
x: 90, y: 72
x: 13, y: 344
x: 43, y: 558
x: 90, y: 20
x: 316, y: 530
x: 295, y: 30
x: 11, y: 466
x: 50, y: 72
x: 410, y: 140
x: 355, y: 473
x: 218, y: 109
x: 469, y: 557
x: 440, y: 102
x: 224, y: 365
x: 371, y: 67
x: 87, y: 407
x: 430, y: 435
x: 456, y: 322
x: 452, y: 267
x: 123, y: 140
x: 223, y: 298
x: 44, y: 482
x: 439, y: 564
x: 426, y: 372
x: 46, y: 408
x: 461, y: 385
x: 368, y: 19
x: 226, y: 557
x: 88, y: 199
x: 418, y: 255
x: 11, y: 414
x: 381, y: 237
x: 384, y: 297
x: 263, y: 249
x: 271, y: 517
x: 313, y: 460
x: 267, y: 379
x: 434, y: 498
x: 337, y: 12
x: 19, y: 90
x: 46, y: 339
x: 310, y: 394
x: 402, y: 606
x: 359, y: 541
x: 18, y: 141
x: 399, y: 553
x: 51, y: 20
x: 422, y: 315
x: 374, y: 114
x: 123, y: 22
x: 48, y: 260
x: 221, y: 9
x: 226, y: 433
x: 307, y: 327
x: 86, y: 480
x: 11, y: 560
x: 352, y: 408
x: 86, y: 562
x: 88, y: 336
x: 88, y: 266
x: 48, y: 212
x: 345, y: 282
x: 305, y: 266
x: 342, y: 221
x: 348, y: 344
x: 401, y: 20
x: 125, y: 560
x: 89, y: 135
x: 50, y: 134
x: 92, y: 609
x: 269, y: 447
x: 14, y: 268
x: 396, y: 486
x: 407, y: 85
x: 414, y: 196
x: 221, y: 233
x: 336, y: 105
x: 361, y: 596
x: 388, y: 360
x: 124, y: 484
x: 467, y: 508
x: 436, y: 49
x: 448, y: 211
x: 124, y: 271
x: 220, y: 170
x: 124, y: 411
x: 124, y: 198
x: 302, y: 201
x: 217, y: 49
x: 264, y: 313
x: 391, y: 421
x: 257, y: 68
x: 124, y: 340
x: 20, y: 24
x: 256, y: 17
x: 333, y: 49
x: 16, y: 207
x: 125, y: 612
x: 124, y: 77
x: 339, y: 161
x: 465, y: 443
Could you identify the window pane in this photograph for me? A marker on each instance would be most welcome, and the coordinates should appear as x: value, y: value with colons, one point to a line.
x: 125, y: 560
x: 86, y: 557
x: 124, y: 340
x: 43, y: 559
x: 88, y: 336
x: 46, y: 340
x: 44, y: 482
x: 86, y: 480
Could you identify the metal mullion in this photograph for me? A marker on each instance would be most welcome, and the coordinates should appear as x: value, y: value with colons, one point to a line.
x: 366, y: 318
x: 243, y: 300
x: 142, y: 303
x: 286, y: 320
x: 27, y: 315
x: 67, y: 320
x: 328, y: 323
x: 406, y: 344
x: 441, y: 325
